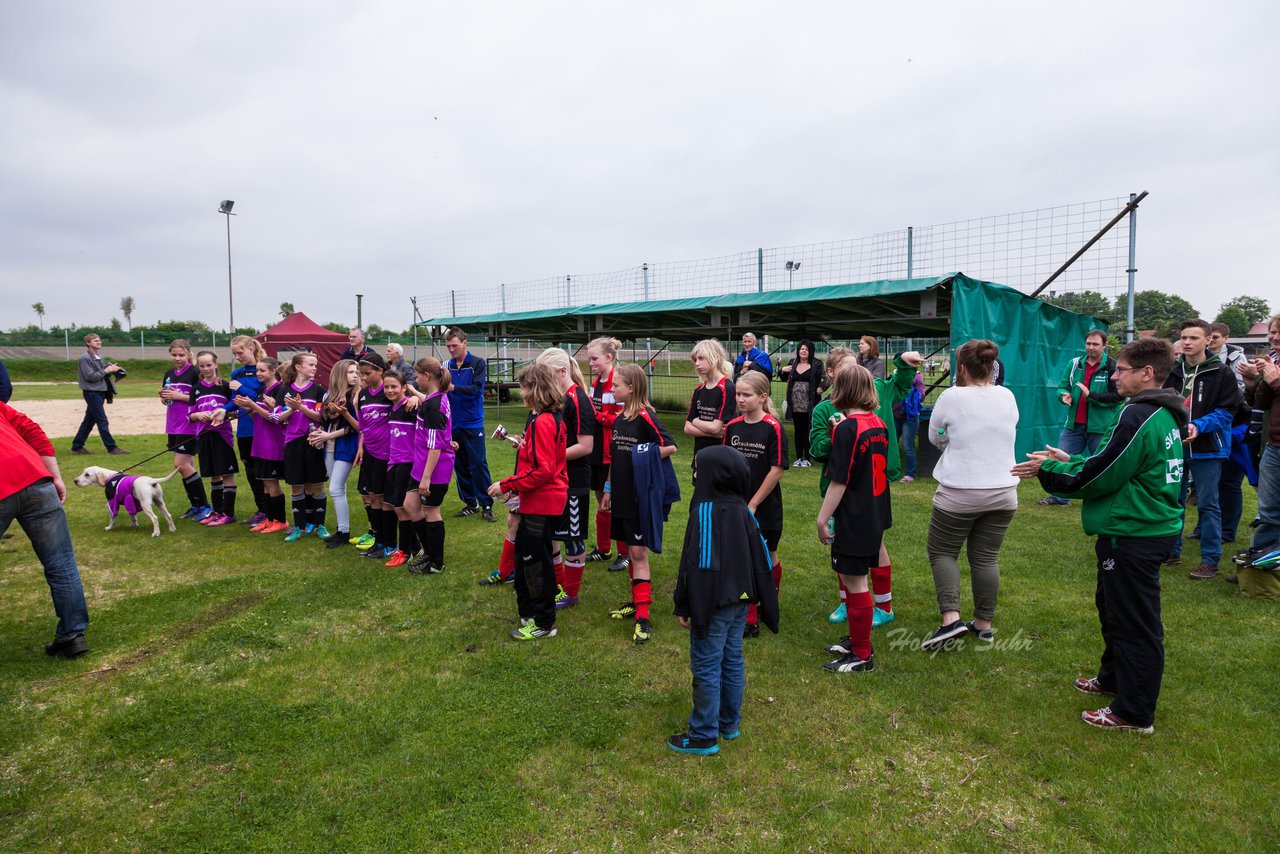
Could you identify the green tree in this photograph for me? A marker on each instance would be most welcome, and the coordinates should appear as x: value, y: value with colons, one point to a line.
x: 38, y: 308
x: 337, y: 327
x: 1082, y: 302
x: 1156, y: 310
x: 127, y: 305
x: 1255, y: 309
x: 1235, y: 318
x: 286, y: 309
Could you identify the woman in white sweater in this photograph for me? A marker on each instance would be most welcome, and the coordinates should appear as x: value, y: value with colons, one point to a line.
x: 974, y: 425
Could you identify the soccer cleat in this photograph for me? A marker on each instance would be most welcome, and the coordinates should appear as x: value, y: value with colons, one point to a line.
x: 850, y: 663
x: 320, y: 531
x: 363, y: 538
x: 597, y: 556
x: 843, y: 646
x: 626, y: 609
x: 643, y: 630
x: 202, y: 514
x: 191, y: 513
x: 1104, y: 718
x: 1090, y: 685
x: 530, y: 631
x: 295, y: 534
x: 256, y: 519
x: 469, y: 510
x: 338, y: 540
x: 840, y: 614
x: 751, y: 630
x: 425, y: 567
x: 944, y: 636
x: 564, y: 600
x: 398, y: 558
x: 212, y: 517
x: 276, y: 528
x: 365, y: 544
x: 257, y: 527
x: 879, y: 617
x: 681, y: 742
x: 619, y: 564
x: 495, y: 578
x: 307, y: 530
x: 223, y: 519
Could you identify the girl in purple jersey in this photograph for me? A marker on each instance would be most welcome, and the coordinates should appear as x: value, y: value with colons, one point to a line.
x: 175, y: 394
x: 209, y: 398
x: 303, y: 464
x: 433, y: 458
x: 372, y: 456
x: 268, y: 444
x: 401, y: 428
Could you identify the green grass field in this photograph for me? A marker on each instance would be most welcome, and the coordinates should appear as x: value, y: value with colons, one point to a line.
x: 251, y: 695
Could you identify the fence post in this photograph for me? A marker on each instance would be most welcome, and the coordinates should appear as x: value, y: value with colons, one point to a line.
x: 568, y: 291
x: 1133, y: 249
x: 910, y: 253
x: 142, y: 340
x: 66, y: 341
x: 503, y: 288
x: 760, y: 270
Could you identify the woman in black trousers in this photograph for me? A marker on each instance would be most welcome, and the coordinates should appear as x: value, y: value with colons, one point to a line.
x: 802, y: 376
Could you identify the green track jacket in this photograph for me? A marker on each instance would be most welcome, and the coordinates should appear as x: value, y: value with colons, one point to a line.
x: 890, y: 391
x: 1130, y: 486
x: 1103, y: 404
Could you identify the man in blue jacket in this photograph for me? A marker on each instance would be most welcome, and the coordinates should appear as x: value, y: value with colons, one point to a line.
x: 467, y: 402
x: 752, y: 358
x: 1209, y: 389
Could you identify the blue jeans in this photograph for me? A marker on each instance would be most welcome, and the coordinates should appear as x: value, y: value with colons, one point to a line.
x: 907, y: 429
x: 95, y: 413
x: 719, y: 674
x: 1077, y: 440
x: 1267, y: 537
x: 1230, y: 499
x: 40, y: 514
x: 1206, y: 474
x: 472, y: 467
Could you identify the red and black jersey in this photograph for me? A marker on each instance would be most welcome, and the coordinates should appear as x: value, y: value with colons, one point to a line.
x: 711, y: 404
x: 627, y: 433
x: 579, y: 420
x: 608, y: 411
x: 858, y: 459
x: 764, y: 444
x: 540, y: 479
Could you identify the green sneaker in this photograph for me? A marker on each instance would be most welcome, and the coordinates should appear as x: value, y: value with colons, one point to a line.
x: 529, y: 631
x: 320, y: 531
x: 879, y: 617
x: 295, y: 534
x: 366, y: 542
x: 626, y: 609
x: 362, y: 539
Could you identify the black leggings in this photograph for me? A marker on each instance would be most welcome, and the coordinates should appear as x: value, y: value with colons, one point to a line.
x: 802, y: 422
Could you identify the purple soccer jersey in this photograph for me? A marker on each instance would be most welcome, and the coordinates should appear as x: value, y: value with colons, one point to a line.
x: 400, y: 428
x: 435, y: 433
x: 210, y: 397
x: 268, y: 433
x: 298, y: 424
x: 374, y: 409
x: 175, y: 414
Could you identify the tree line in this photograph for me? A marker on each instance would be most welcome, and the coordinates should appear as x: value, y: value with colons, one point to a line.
x: 1162, y: 312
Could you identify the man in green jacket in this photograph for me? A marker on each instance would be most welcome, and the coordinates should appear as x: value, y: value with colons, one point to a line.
x: 1130, y: 489
x: 1088, y: 390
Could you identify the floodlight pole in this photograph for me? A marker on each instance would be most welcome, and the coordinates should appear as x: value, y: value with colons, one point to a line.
x: 225, y: 210
x: 1133, y: 268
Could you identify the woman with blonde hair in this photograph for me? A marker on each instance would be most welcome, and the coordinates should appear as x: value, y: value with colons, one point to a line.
x: 638, y: 425
x: 602, y: 356
x: 712, y: 405
x: 339, y: 438
x: 579, y: 436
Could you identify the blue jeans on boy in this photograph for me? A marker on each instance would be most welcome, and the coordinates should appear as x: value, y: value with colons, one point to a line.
x: 95, y: 413
x: 1077, y: 440
x: 907, y: 429
x: 719, y: 674
x: 1206, y: 475
x: 40, y: 514
x: 1267, y: 536
x: 1230, y: 499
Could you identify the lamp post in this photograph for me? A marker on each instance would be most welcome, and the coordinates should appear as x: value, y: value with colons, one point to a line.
x: 792, y: 266
x: 225, y: 209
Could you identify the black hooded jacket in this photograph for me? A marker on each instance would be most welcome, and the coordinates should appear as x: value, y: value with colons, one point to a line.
x: 724, y: 560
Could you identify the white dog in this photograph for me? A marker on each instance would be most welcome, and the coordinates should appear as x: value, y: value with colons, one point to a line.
x: 133, y: 493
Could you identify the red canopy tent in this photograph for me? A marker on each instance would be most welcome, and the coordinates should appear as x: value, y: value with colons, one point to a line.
x: 299, y: 332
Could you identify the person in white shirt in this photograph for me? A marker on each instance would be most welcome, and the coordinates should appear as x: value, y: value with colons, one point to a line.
x: 974, y: 423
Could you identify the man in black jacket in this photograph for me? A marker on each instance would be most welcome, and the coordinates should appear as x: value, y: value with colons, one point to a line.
x: 1209, y: 389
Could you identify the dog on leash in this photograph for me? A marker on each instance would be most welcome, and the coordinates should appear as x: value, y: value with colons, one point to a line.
x: 134, y: 493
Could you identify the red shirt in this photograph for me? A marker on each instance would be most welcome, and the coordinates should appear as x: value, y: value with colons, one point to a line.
x: 1082, y: 408
x: 22, y: 444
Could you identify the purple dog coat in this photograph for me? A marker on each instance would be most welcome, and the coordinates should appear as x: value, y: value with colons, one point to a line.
x: 120, y: 494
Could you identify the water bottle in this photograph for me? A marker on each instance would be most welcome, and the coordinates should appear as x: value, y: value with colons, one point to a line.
x: 166, y: 401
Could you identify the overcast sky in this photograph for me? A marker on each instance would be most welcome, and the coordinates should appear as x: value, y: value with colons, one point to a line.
x: 402, y: 148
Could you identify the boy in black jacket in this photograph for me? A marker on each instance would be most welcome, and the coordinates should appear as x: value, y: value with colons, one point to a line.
x: 723, y: 567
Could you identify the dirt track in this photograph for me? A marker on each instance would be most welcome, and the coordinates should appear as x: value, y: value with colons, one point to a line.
x: 127, y: 416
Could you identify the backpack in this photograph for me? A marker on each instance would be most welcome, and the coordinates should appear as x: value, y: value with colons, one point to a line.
x: 912, y: 405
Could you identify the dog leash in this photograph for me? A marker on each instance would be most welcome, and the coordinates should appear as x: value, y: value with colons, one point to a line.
x: 148, y: 459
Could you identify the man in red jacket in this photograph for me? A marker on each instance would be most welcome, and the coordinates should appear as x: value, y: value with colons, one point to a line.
x: 31, y: 491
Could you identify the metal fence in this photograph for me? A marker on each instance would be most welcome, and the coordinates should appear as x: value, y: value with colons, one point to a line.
x: 1020, y: 250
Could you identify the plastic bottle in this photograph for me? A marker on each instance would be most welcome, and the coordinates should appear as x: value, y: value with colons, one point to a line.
x: 166, y: 401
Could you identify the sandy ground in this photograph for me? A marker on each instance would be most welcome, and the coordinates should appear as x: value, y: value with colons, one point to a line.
x: 127, y: 416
